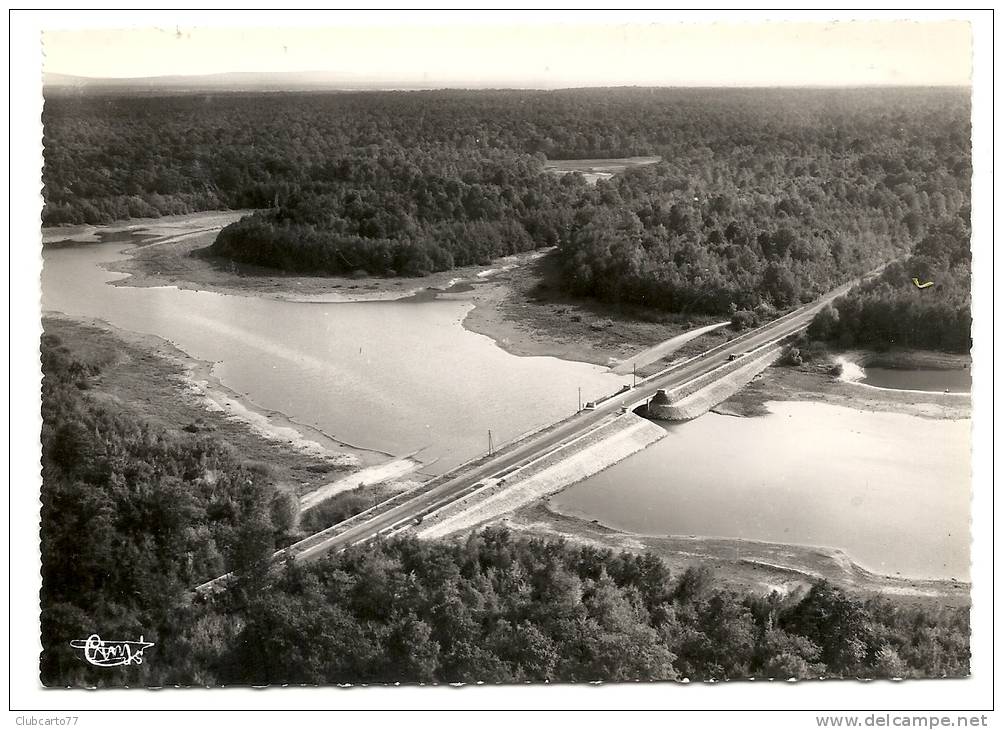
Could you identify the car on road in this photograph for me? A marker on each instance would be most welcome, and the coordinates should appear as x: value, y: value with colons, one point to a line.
x: 734, y: 356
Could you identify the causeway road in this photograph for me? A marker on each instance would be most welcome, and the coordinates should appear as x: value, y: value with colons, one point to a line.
x: 469, y: 477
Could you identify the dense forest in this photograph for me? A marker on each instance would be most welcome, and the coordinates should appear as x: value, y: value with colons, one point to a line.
x: 764, y: 197
x: 134, y: 516
x: 924, y: 301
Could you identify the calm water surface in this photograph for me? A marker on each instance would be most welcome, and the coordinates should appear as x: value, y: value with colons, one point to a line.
x: 394, y: 376
x: 892, y: 490
x: 956, y: 381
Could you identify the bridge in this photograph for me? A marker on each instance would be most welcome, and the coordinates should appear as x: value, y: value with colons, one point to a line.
x: 412, y: 507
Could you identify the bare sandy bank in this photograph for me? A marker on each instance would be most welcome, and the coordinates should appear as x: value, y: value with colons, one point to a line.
x: 145, y: 230
x: 815, y: 382
x: 522, y: 323
x: 517, y: 299
x: 187, y: 265
x: 154, y: 379
x: 527, y: 312
x: 745, y: 565
x: 172, y: 251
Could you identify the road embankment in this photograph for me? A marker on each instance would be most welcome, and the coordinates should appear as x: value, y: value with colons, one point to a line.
x: 389, y: 471
x: 696, y: 398
x: 663, y: 349
x: 581, y: 458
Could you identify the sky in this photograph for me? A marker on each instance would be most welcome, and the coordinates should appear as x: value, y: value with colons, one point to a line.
x: 844, y: 53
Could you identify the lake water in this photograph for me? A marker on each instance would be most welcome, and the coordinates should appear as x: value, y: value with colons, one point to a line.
x: 956, y: 381
x: 393, y: 376
x: 891, y: 490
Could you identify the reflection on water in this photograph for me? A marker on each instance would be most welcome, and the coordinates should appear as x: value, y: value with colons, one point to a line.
x: 396, y: 376
x: 892, y: 490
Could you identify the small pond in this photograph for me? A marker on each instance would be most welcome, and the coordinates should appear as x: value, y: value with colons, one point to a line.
x: 955, y: 381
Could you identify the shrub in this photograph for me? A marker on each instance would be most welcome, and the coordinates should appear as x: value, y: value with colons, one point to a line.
x: 743, y: 319
x: 791, y: 357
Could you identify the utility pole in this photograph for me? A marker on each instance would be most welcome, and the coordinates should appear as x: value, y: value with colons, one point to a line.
x: 491, y: 444
x: 635, y: 375
x: 579, y: 399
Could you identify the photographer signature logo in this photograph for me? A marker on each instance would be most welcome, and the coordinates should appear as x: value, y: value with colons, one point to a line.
x: 109, y: 653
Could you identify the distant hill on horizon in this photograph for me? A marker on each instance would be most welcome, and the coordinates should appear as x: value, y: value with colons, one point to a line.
x: 237, y: 81
x: 232, y: 81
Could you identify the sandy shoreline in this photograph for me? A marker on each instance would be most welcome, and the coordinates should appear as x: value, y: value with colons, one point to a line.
x: 516, y: 300
x: 813, y: 382
x: 527, y: 313
x: 490, y: 289
x: 745, y: 565
x: 147, y: 374
x: 186, y: 264
x: 148, y: 230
